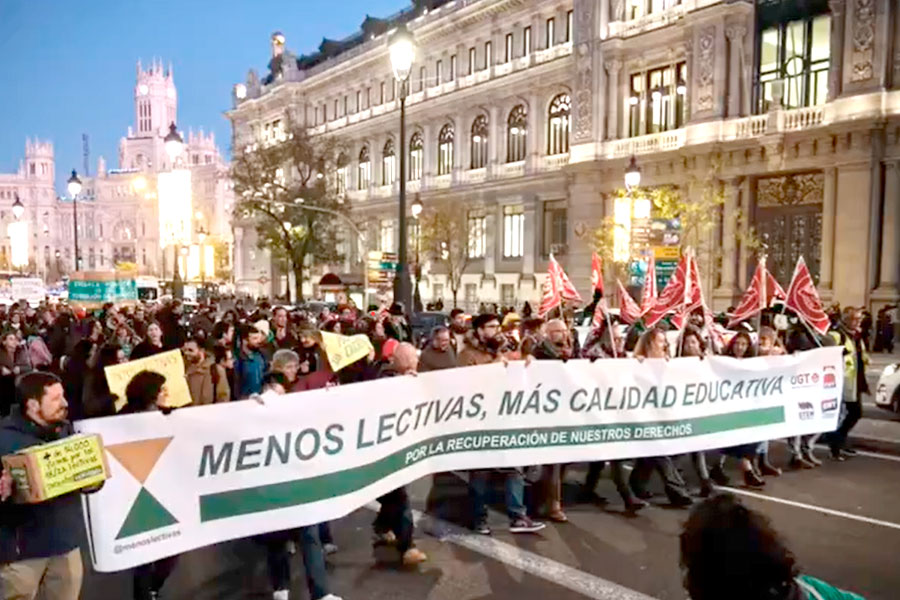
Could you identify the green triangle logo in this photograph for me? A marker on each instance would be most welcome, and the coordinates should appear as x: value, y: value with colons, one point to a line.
x: 146, y: 514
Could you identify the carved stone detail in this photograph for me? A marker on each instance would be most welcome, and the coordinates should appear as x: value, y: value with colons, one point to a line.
x: 736, y: 33
x: 584, y: 71
x: 706, y: 48
x: 863, y: 40
x: 613, y: 66
x: 791, y: 190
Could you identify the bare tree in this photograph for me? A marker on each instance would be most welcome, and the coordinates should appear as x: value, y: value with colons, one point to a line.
x: 274, y: 180
x: 445, y: 239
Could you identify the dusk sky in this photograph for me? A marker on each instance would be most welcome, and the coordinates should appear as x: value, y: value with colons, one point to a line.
x: 68, y: 67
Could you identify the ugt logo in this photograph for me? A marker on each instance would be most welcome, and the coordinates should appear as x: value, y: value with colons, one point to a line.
x: 139, y: 459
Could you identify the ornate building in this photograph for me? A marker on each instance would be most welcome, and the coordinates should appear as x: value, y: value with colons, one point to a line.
x: 119, y: 210
x: 526, y: 114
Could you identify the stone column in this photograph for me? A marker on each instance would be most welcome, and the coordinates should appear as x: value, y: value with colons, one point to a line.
x: 461, y: 133
x: 890, y: 231
x: 735, y: 35
x: 612, y: 125
x: 835, y: 72
x: 495, y: 139
x: 725, y: 293
x: 532, y: 239
x: 429, y: 151
x: 604, y: 19
x: 828, y: 205
x: 491, y: 238
x: 744, y: 257
x: 534, y: 138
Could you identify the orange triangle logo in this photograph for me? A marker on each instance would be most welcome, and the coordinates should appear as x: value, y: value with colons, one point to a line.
x: 139, y: 458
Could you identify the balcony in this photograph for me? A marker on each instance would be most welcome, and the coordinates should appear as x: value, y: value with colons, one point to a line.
x: 554, y: 162
x: 748, y: 127
x: 413, y: 186
x: 644, y: 144
x: 357, y: 195
x: 383, y: 191
x: 657, y: 20
x: 511, y: 169
x: 475, y: 175
x: 804, y: 118
x: 443, y: 181
x: 503, y: 69
x: 548, y: 54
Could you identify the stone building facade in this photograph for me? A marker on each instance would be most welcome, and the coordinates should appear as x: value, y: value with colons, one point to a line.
x: 526, y: 113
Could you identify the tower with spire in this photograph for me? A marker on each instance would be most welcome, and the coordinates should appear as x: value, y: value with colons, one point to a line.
x: 155, y: 107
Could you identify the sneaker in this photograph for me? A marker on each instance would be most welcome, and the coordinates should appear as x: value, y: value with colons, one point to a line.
x: 767, y: 469
x: 525, y: 525
x: 386, y: 538
x: 851, y: 452
x: 799, y: 462
x: 330, y: 548
x: 680, y: 500
x: 413, y: 557
x: 632, y: 505
x: 718, y: 475
x: 281, y: 595
x: 751, y: 479
x: 482, y: 528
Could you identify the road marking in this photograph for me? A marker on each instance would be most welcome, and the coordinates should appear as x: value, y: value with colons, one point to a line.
x: 534, y: 564
x: 812, y: 507
x: 878, y: 454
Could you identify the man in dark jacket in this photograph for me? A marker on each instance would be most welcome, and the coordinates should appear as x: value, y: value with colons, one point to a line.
x: 439, y: 354
x: 39, y: 553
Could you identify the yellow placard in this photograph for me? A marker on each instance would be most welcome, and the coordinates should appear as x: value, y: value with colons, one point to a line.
x: 666, y: 252
x: 343, y: 350
x: 50, y: 470
x: 168, y: 364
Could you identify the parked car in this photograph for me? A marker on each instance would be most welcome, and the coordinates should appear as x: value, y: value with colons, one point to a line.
x: 422, y: 323
x: 887, y: 392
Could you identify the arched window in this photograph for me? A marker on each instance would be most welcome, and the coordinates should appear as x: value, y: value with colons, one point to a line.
x: 516, y: 133
x: 445, y: 150
x: 365, y: 169
x: 558, y: 123
x: 388, y: 160
x: 416, y: 157
x: 479, y: 142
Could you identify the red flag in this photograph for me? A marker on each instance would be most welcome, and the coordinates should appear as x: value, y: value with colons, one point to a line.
x: 596, y: 273
x: 752, y: 301
x: 629, y: 311
x: 566, y: 289
x: 773, y: 289
x: 672, y: 297
x: 600, y: 311
x: 550, y: 296
x: 803, y: 299
x: 649, y: 293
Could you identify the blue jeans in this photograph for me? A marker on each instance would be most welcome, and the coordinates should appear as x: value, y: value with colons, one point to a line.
x: 514, y: 489
x: 279, y: 563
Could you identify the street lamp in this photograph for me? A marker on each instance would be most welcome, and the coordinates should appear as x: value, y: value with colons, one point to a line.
x: 18, y: 208
x: 416, y: 210
x: 403, y: 52
x: 632, y: 175
x: 174, y: 144
x: 74, y: 187
x: 201, y: 237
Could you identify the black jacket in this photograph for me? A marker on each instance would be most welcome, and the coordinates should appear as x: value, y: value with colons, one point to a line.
x: 42, y: 530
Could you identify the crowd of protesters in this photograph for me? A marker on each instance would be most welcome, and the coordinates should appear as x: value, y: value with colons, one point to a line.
x: 52, y: 360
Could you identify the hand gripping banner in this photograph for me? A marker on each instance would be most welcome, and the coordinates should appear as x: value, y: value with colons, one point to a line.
x: 208, y: 474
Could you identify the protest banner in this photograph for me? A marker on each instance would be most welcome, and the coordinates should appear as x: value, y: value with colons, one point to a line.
x: 208, y: 474
x: 94, y: 289
x: 168, y: 364
x: 343, y: 350
x: 30, y: 289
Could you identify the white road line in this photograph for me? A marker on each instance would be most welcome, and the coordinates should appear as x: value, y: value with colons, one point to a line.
x: 534, y: 564
x: 813, y: 507
x: 878, y: 454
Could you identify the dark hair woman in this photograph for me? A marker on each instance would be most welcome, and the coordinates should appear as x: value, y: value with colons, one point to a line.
x: 98, y: 400
x: 74, y: 370
x: 691, y: 343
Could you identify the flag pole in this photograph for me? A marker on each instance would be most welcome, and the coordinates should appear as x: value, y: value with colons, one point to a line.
x: 764, y: 273
x: 685, y: 301
x: 609, y: 328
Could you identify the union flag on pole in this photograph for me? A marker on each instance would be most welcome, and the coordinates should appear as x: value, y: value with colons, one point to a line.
x: 803, y: 299
x: 649, y: 293
x: 763, y: 289
x: 673, y: 295
x: 629, y: 311
x: 596, y: 273
x: 566, y: 289
x: 550, y: 296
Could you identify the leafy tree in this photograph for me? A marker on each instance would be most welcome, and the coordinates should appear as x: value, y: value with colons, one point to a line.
x: 274, y: 180
x: 445, y: 236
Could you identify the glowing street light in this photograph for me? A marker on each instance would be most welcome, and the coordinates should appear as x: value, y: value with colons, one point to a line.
x: 416, y: 207
x: 632, y: 175
x: 73, y: 185
x: 18, y: 208
x: 174, y: 144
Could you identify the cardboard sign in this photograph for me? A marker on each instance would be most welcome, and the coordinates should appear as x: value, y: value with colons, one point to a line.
x: 168, y: 364
x: 51, y: 470
x: 343, y: 350
x: 30, y: 289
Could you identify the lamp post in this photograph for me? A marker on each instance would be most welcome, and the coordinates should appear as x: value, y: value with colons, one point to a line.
x: 402, y: 51
x: 174, y: 145
x: 74, y: 187
x: 201, y: 237
x: 416, y: 210
x: 18, y: 208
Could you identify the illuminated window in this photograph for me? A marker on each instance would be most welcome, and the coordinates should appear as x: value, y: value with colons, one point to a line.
x: 341, y: 175
x: 569, y: 22
x: 471, y: 60
x: 526, y: 41
x: 656, y: 100
x: 477, y: 236
x: 799, y: 53
x: 452, y: 74
x: 508, y: 54
x: 555, y: 224
x: 488, y: 54
x: 439, y: 69
x: 364, y: 174
x: 479, y: 145
x: 386, y: 236
x: 445, y: 150
x: 550, y: 32
x: 513, y: 231
x: 558, y: 124
x: 416, y: 157
x: 422, y: 75
x: 516, y: 134
x: 388, y: 162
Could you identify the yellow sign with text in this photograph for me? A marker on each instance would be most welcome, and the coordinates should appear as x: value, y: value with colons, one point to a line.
x: 168, y: 364
x: 51, y: 470
x: 666, y: 252
x: 343, y: 350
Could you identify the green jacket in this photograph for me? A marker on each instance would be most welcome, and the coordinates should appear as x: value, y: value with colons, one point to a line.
x: 816, y: 589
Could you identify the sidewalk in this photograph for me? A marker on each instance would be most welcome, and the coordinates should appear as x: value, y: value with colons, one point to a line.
x: 877, y: 436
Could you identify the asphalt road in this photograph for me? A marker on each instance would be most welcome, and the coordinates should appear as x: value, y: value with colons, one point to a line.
x: 841, y: 520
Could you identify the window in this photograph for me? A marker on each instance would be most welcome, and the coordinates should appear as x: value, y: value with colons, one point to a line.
x: 551, y: 32
x: 526, y: 41
x: 335, y: 115
x: 144, y: 257
x: 488, y: 54
x: 452, y: 74
x: 656, y: 101
x: 558, y: 125
x: 507, y: 294
x: 92, y: 259
x: 479, y: 142
x: 516, y: 134
x: 471, y: 61
x: 513, y: 231
x: 445, y: 150
x: 437, y: 292
x: 477, y: 236
x: 341, y: 175
x: 422, y: 74
x: 381, y: 94
x: 386, y: 236
x: 358, y: 100
x: 438, y: 67
x: 416, y: 157
x: 471, y: 292
x: 508, y: 54
x: 346, y: 102
x: 555, y: 222
x: 368, y: 96
x: 364, y: 174
x: 569, y: 22
x: 388, y: 161
x: 799, y: 52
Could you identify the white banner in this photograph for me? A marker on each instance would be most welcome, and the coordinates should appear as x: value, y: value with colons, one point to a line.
x: 207, y: 474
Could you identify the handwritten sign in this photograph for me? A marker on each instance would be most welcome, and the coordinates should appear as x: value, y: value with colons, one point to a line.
x: 343, y: 350
x: 51, y: 470
x: 168, y: 364
x: 30, y: 289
